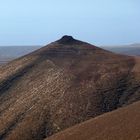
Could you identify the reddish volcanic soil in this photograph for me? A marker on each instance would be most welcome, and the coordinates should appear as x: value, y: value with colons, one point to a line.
x: 63, y: 84
x: 122, y: 124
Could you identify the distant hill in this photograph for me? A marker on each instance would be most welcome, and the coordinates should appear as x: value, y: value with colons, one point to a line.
x: 8, y: 53
x: 63, y: 84
x: 133, y: 49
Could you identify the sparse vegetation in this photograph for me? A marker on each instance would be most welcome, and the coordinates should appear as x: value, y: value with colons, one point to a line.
x: 63, y: 84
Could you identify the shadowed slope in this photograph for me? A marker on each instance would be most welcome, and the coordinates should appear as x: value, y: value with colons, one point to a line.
x: 122, y: 124
x: 60, y: 85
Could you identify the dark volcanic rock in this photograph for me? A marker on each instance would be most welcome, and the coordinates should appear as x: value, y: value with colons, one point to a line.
x: 69, y: 40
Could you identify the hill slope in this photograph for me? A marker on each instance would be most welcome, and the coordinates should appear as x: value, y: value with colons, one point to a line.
x: 122, y: 124
x: 63, y: 84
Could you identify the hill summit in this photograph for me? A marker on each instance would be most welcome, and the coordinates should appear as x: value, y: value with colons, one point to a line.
x: 63, y: 84
x: 69, y: 40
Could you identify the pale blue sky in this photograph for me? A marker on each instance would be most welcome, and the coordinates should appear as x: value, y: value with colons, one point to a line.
x: 38, y: 22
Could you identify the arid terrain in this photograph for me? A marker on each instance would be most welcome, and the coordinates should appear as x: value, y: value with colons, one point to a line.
x: 133, y: 49
x: 9, y: 53
x: 63, y: 84
x: 122, y: 124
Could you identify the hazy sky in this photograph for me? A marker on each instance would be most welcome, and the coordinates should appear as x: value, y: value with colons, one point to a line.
x: 101, y: 22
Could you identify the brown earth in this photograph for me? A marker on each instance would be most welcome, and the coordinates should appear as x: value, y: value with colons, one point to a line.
x: 122, y: 124
x: 63, y: 84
